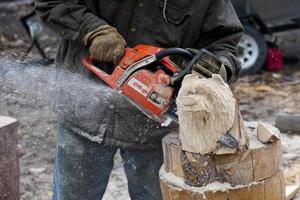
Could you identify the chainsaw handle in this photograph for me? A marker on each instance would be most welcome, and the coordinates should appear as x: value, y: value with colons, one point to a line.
x: 174, y: 52
x: 189, y: 67
x: 108, y: 78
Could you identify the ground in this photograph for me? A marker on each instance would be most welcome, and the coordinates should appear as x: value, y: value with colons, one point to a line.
x: 261, y: 97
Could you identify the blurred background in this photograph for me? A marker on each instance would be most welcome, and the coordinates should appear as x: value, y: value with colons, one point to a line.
x: 269, y: 86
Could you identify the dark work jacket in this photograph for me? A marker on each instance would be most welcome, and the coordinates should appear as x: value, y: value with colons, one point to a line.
x: 210, y: 24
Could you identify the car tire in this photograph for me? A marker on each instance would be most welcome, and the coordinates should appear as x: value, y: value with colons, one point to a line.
x: 252, y: 51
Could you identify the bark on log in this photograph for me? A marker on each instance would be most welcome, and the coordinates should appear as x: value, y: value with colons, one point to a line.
x: 259, y: 162
x: 287, y: 122
x: 199, y: 170
x: 9, y: 165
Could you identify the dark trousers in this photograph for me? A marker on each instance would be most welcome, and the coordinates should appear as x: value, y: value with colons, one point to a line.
x: 82, y: 169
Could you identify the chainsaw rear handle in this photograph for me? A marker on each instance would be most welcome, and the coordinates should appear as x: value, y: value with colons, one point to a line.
x: 185, y: 53
x: 179, y: 75
x: 174, y: 52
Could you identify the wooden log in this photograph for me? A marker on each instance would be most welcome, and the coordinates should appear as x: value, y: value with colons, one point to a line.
x: 259, y: 162
x: 288, y: 122
x: 9, y: 165
x: 174, y: 188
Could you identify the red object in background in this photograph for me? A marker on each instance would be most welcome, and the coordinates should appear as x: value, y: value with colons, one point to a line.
x: 274, y: 60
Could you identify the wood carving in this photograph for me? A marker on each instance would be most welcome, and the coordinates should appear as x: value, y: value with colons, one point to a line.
x: 206, y: 110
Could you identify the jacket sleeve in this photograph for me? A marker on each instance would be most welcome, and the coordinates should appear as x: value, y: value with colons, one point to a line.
x: 70, y: 19
x: 221, y: 33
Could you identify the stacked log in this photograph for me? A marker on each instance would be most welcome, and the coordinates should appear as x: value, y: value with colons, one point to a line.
x: 9, y: 165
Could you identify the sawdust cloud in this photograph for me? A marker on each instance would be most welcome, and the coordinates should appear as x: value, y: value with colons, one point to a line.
x: 76, y: 99
x: 41, y: 83
x: 35, y: 87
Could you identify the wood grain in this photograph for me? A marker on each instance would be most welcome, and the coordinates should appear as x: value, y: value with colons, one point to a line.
x: 9, y: 165
x: 257, y: 163
x: 269, y: 189
x: 206, y: 111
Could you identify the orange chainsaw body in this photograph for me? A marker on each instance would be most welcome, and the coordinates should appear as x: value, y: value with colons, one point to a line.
x: 148, y: 89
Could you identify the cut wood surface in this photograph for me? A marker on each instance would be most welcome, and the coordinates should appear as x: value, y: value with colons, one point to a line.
x: 174, y: 188
x: 9, y: 166
x: 291, y: 191
x: 259, y: 162
x: 239, y: 132
x: 288, y: 122
x: 206, y: 111
x: 172, y: 151
x: 267, y: 133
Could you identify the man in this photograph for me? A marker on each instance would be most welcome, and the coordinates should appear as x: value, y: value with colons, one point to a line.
x: 102, y: 28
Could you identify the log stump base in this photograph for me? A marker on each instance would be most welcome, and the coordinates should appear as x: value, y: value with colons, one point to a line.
x: 253, y: 174
x: 174, y: 188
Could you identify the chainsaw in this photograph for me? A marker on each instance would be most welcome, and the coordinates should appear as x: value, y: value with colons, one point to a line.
x: 149, y: 79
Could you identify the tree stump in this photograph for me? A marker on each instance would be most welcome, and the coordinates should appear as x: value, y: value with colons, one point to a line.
x: 253, y: 174
x: 9, y: 165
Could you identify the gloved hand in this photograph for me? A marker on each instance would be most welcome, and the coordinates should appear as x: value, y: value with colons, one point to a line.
x: 208, y: 65
x: 106, y: 44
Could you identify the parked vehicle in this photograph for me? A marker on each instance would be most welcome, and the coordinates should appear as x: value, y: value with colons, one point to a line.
x: 260, y: 18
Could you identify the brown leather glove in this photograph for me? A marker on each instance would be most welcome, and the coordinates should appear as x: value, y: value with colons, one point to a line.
x: 106, y: 44
x: 208, y: 65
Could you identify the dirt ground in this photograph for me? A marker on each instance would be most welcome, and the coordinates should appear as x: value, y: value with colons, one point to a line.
x: 261, y: 97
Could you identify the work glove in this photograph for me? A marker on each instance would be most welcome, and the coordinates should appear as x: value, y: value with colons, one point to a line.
x: 208, y: 64
x: 106, y: 44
